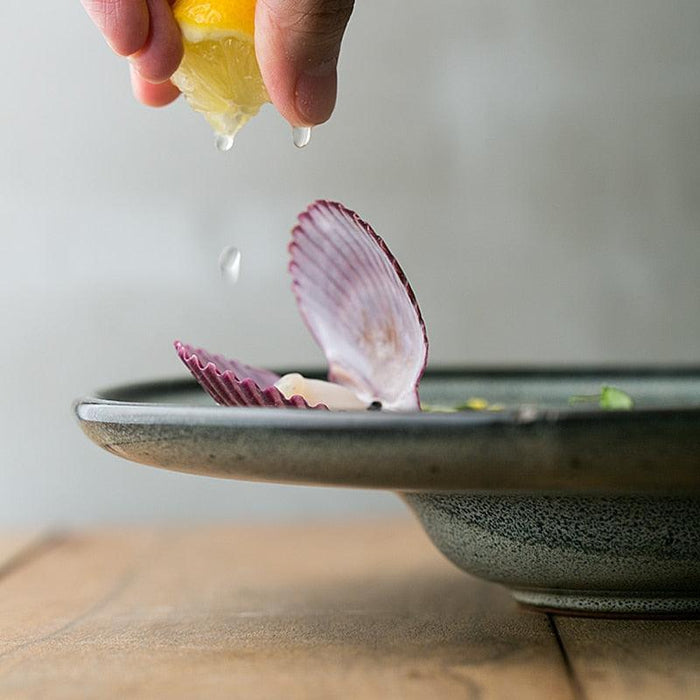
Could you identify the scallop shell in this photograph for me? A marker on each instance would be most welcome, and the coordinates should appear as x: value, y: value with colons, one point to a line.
x: 232, y: 383
x: 359, y: 306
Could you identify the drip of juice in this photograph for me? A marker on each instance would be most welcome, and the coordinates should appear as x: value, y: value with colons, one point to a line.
x: 230, y: 264
x: 224, y: 142
x: 301, y: 135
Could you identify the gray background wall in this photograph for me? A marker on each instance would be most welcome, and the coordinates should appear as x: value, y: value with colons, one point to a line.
x: 534, y: 165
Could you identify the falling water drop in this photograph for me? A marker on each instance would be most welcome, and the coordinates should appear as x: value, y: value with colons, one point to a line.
x: 301, y: 135
x: 224, y: 142
x: 230, y: 264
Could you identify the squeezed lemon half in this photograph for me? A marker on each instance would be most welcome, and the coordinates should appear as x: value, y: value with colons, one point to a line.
x: 219, y: 74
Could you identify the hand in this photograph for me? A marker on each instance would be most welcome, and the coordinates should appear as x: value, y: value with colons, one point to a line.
x: 297, y: 43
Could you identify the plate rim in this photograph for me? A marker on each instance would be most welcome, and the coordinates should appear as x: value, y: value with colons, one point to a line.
x: 136, y: 424
x: 527, y: 413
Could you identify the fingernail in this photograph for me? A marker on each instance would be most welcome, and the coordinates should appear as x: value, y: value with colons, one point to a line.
x: 316, y: 92
x: 137, y: 65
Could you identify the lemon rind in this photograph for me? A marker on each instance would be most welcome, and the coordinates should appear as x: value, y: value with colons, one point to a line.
x: 194, y: 33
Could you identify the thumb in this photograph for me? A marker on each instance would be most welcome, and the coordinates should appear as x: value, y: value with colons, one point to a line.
x: 297, y: 43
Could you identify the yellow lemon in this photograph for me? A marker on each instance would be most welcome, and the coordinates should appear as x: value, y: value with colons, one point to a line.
x: 219, y: 74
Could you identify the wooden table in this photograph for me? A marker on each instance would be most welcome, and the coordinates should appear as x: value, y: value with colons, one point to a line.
x: 354, y: 610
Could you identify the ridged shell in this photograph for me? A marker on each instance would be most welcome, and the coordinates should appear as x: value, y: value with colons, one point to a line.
x: 232, y: 383
x: 359, y: 306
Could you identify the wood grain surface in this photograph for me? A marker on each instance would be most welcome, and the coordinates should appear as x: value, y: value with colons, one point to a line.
x: 354, y: 610
x: 633, y: 658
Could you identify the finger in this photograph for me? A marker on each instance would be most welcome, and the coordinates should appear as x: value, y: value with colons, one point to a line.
x: 161, y: 54
x: 124, y: 23
x: 297, y: 43
x: 152, y: 94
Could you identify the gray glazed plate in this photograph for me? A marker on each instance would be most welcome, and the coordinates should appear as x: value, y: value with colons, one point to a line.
x: 573, y: 508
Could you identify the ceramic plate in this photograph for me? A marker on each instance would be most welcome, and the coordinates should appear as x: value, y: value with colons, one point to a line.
x: 536, y: 442
x: 575, y: 509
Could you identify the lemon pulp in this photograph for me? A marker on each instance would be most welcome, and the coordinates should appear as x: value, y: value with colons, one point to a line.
x: 219, y: 74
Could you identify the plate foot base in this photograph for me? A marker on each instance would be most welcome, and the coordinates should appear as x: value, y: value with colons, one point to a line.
x: 609, y: 604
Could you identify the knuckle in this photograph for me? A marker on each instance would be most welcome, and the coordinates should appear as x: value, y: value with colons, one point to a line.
x: 319, y: 17
x: 122, y: 22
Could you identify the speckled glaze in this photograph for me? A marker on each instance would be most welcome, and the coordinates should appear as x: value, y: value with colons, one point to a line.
x: 617, y: 555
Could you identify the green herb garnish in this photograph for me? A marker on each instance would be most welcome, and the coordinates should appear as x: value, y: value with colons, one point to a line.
x: 610, y: 398
x: 476, y: 403
x: 471, y: 404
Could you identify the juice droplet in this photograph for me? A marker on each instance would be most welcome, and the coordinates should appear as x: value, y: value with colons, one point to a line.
x: 230, y: 264
x: 224, y: 142
x: 301, y: 135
